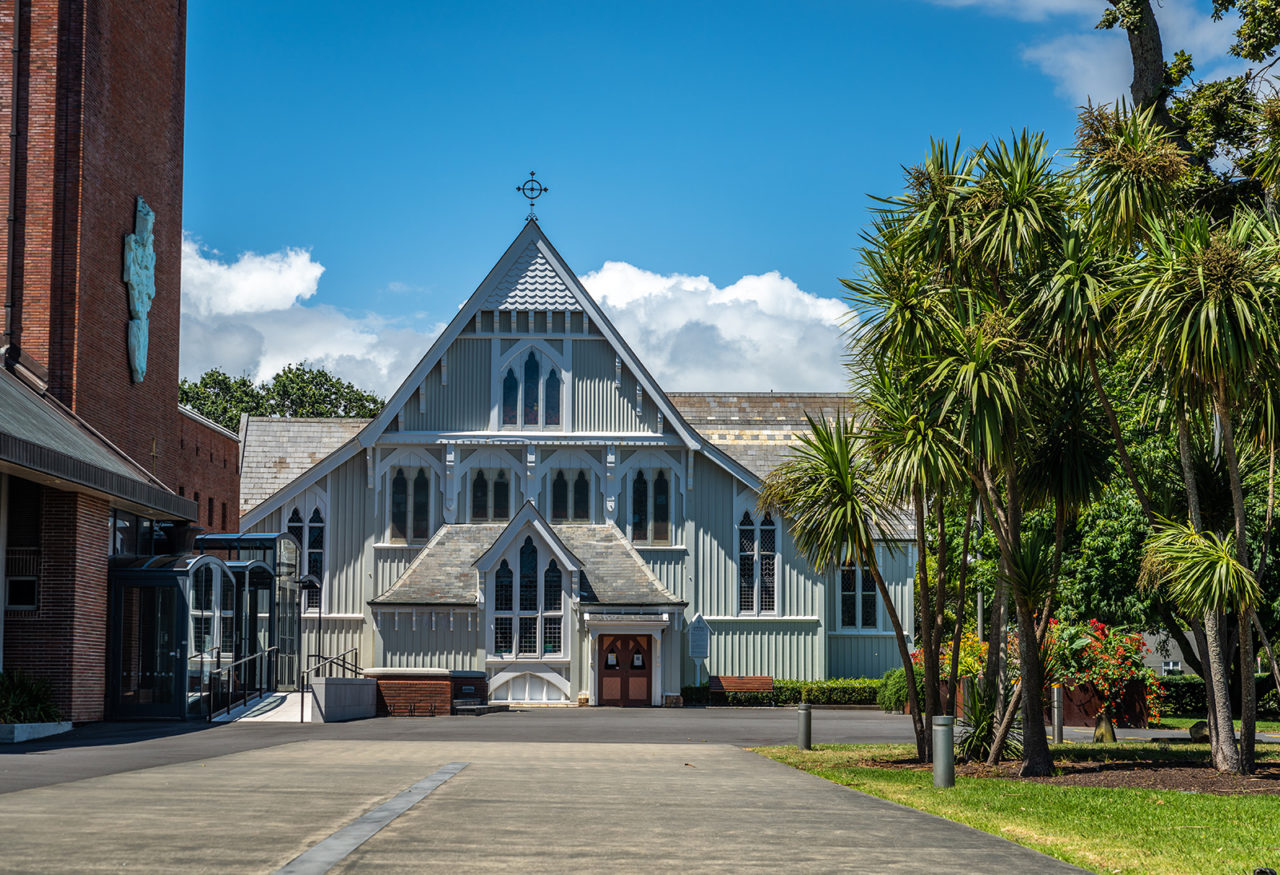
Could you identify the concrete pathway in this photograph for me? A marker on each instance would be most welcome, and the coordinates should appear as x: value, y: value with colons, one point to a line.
x: 538, y: 806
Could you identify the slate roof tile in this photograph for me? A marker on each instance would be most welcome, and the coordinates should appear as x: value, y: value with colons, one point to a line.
x: 279, y: 449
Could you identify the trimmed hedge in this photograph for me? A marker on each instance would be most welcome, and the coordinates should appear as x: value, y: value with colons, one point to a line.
x: 1184, y: 697
x: 836, y: 691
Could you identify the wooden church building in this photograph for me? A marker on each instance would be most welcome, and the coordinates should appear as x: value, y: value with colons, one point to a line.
x: 532, y: 508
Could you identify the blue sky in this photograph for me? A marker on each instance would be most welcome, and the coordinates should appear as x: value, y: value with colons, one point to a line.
x: 350, y: 170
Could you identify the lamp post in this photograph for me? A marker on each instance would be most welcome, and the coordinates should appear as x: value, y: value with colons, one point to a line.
x: 304, y: 586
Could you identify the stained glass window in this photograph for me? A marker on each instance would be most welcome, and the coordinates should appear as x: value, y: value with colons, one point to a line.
x: 581, y: 497
x: 479, y: 497
x: 551, y: 581
x: 421, y: 507
x: 528, y: 576
x: 559, y: 498
x: 531, y: 372
x: 552, y: 398
x: 502, y: 634
x: 399, y: 506
x: 510, y: 399
x: 528, y: 635
x: 640, y: 508
x: 661, y: 508
x: 503, y: 579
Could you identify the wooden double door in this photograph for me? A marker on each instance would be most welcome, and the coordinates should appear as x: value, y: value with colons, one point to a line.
x: 625, y: 670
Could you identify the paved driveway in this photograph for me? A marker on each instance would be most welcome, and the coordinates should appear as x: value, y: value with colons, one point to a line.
x: 532, y: 805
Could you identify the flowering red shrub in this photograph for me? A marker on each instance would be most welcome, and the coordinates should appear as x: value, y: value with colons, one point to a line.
x: 1107, y: 658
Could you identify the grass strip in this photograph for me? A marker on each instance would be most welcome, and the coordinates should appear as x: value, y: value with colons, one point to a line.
x: 1097, y: 828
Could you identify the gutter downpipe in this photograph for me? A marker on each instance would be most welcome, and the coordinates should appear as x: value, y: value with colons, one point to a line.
x: 8, y: 350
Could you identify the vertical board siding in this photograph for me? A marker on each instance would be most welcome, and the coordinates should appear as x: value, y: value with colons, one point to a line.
x: 714, y: 566
x: 599, y: 404
x: 349, y: 532
x: 330, y: 636
x: 389, y: 563
x: 862, y: 656
x: 669, y: 566
x: 462, y: 405
x: 409, y: 641
x: 269, y: 524
x: 789, y: 649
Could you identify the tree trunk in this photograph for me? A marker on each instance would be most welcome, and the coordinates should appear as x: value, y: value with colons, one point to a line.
x: 949, y: 706
x: 1222, y: 737
x: 1037, y: 761
x: 1147, y: 52
x: 1248, y: 681
x: 924, y: 616
x: 917, y: 719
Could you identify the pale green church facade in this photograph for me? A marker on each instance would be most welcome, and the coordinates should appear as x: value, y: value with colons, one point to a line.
x: 532, y: 505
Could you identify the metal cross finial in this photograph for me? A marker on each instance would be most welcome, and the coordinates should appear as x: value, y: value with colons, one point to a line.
x: 532, y: 189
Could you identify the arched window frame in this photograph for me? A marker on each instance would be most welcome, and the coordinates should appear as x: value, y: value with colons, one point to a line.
x: 651, y: 510
x: 571, y: 461
x: 514, y: 364
x: 411, y: 461
x: 524, y: 629
x: 756, y: 539
x: 311, y: 503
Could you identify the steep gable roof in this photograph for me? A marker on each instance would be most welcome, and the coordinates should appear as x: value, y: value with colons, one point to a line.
x: 275, y: 451
x: 531, y: 284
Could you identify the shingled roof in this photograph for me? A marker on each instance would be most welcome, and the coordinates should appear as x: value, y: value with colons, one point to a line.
x: 531, y: 284
x: 444, y: 571
x: 756, y: 428
x: 274, y: 451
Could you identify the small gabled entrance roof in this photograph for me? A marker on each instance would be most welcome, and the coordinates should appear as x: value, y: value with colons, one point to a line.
x: 446, y: 573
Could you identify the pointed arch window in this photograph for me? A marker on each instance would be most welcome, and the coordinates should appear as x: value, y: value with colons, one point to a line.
x: 502, y: 632
x: 531, y: 372
x: 552, y: 399
x: 528, y: 576
x: 661, y: 508
x: 510, y: 399
x: 501, y: 497
x: 399, y: 507
x: 757, y: 565
x: 421, y: 528
x: 559, y: 498
x: 651, y: 515
x: 315, y: 544
x: 479, y: 497
x: 581, y: 497
x: 639, y: 508
x: 552, y: 609
x: 296, y: 528
x: 746, y: 564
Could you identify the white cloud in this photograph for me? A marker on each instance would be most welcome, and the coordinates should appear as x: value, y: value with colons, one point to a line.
x: 1088, y: 64
x: 1028, y: 10
x: 248, y: 317
x: 762, y: 332
x: 254, y: 315
x: 253, y: 283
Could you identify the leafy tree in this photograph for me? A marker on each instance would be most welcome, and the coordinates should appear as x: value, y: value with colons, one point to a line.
x: 298, y: 390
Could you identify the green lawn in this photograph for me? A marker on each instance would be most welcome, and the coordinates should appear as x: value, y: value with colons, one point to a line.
x: 1185, y: 723
x: 1102, y: 829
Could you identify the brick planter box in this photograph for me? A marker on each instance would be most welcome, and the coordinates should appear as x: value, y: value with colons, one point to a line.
x: 1081, y: 704
x: 413, y: 692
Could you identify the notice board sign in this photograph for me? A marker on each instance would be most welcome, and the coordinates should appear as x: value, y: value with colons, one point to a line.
x: 699, y: 639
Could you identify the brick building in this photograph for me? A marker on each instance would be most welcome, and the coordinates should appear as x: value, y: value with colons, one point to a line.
x: 97, y: 459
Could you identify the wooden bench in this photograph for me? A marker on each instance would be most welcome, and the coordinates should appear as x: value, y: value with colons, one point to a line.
x: 741, y: 683
x: 722, y: 685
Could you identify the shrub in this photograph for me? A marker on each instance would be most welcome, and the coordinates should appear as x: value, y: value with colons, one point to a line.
x: 976, y: 727
x: 26, y: 700
x: 842, y: 691
x: 892, y: 695
x: 695, y: 695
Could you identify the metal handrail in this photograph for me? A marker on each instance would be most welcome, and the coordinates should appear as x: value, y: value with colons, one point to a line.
x: 260, y: 655
x: 340, y: 659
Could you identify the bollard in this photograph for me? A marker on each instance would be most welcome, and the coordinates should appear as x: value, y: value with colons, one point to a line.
x: 1057, y: 713
x: 805, y: 714
x: 944, y: 753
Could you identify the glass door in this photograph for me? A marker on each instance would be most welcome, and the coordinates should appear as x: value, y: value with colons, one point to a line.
x: 148, y: 660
